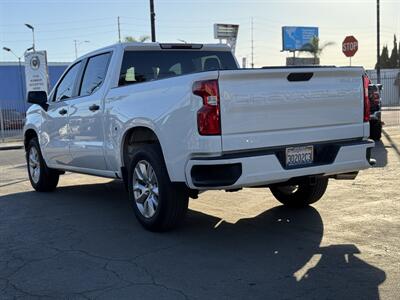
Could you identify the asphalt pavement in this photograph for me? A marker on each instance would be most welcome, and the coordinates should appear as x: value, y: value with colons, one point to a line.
x: 83, y: 242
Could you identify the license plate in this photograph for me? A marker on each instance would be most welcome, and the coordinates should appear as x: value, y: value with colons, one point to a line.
x: 299, y: 156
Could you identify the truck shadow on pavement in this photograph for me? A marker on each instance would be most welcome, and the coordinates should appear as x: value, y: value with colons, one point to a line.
x: 380, y: 153
x: 83, y: 241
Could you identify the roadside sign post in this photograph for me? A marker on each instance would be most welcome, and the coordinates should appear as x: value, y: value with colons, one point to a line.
x: 350, y: 46
x: 36, y: 72
x: 294, y: 38
x: 228, y: 32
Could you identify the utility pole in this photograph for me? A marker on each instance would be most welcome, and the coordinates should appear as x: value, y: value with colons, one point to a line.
x: 119, y: 31
x: 252, y: 44
x: 152, y: 20
x: 378, y: 43
x: 76, y: 49
x: 76, y: 43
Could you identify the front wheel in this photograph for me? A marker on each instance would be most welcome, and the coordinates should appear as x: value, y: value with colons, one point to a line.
x: 158, y: 203
x: 302, y: 194
x: 42, y: 178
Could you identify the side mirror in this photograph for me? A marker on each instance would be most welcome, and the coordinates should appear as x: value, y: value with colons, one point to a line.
x: 38, y: 97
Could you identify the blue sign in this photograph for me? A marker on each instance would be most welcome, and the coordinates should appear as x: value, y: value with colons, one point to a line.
x: 294, y: 38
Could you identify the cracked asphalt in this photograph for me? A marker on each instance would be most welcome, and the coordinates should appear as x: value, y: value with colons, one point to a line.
x: 83, y: 242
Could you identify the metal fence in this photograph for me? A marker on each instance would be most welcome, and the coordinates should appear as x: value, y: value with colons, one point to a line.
x: 11, y: 124
x: 390, y: 80
x: 13, y: 104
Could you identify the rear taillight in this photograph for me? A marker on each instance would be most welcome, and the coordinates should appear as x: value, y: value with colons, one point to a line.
x: 366, y: 98
x: 208, y: 116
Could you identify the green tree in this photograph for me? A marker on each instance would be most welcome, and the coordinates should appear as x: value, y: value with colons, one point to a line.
x: 385, y: 63
x: 315, y: 49
x: 394, y: 57
x: 142, y: 39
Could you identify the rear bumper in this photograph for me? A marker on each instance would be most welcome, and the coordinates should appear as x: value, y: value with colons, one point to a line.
x: 246, y: 169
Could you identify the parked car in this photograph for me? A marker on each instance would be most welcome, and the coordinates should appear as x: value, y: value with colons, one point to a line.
x: 173, y: 120
x: 375, y: 121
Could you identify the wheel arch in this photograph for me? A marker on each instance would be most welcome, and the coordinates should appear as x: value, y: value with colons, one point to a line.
x: 135, y: 136
x: 29, y: 134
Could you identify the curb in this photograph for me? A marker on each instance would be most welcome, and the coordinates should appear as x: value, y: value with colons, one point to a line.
x: 11, y: 147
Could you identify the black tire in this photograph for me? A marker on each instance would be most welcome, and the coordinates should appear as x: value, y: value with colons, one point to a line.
x: 376, y: 130
x: 305, y: 193
x: 47, y: 179
x: 172, y: 198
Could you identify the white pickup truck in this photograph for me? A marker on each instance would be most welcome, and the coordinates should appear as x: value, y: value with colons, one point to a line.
x: 173, y: 120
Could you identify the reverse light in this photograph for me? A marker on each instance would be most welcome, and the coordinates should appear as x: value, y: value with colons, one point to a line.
x: 366, y: 82
x: 208, y: 116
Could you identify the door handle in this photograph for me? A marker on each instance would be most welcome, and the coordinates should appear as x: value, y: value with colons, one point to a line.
x: 94, y: 107
x: 62, y: 111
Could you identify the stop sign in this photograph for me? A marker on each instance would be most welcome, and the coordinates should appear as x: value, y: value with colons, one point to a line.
x: 350, y: 46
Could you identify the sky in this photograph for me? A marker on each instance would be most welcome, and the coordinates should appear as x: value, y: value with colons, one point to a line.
x: 59, y: 22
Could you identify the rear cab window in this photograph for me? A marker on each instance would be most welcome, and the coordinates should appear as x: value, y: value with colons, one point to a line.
x: 142, y: 66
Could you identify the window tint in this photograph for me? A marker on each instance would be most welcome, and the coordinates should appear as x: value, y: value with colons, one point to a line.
x: 95, y: 73
x: 140, y: 66
x: 66, y: 87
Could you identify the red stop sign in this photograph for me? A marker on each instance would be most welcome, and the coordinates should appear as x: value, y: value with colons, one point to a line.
x: 350, y: 46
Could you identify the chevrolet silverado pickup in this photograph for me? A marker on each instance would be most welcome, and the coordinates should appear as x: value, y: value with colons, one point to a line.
x: 174, y: 120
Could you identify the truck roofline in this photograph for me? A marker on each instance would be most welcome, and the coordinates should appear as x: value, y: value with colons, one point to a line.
x: 157, y: 46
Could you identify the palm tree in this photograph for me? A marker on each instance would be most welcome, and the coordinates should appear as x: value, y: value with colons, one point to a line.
x: 141, y: 39
x: 314, y: 48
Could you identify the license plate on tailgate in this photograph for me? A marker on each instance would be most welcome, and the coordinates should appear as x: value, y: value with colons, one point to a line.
x: 299, y: 156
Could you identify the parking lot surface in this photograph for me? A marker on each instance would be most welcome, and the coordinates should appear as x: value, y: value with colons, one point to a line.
x: 83, y: 242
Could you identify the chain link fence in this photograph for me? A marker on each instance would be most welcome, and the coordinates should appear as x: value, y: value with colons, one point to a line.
x: 12, y: 103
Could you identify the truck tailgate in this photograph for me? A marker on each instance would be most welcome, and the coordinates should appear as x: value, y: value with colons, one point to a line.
x: 285, y: 106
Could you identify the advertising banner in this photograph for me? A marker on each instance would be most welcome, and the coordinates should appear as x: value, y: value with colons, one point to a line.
x: 294, y: 38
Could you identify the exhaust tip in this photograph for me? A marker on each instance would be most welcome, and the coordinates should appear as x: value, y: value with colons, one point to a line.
x: 372, y: 162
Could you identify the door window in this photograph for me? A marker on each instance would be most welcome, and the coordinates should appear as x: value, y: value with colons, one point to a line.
x: 95, y: 73
x: 65, y: 89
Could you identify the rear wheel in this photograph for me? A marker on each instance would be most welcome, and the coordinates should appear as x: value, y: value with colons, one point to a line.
x: 42, y: 178
x: 159, y: 204
x: 302, y: 194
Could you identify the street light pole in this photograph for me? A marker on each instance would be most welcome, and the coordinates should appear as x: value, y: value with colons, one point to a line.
x: 152, y: 20
x: 76, y: 43
x: 33, y: 35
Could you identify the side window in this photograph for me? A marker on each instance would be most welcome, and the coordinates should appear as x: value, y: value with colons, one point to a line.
x: 137, y: 68
x: 95, y: 73
x: 65, y: 89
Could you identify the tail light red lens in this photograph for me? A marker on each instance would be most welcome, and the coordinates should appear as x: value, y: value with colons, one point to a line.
x: 366, y: 98
x: 208, y: 116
